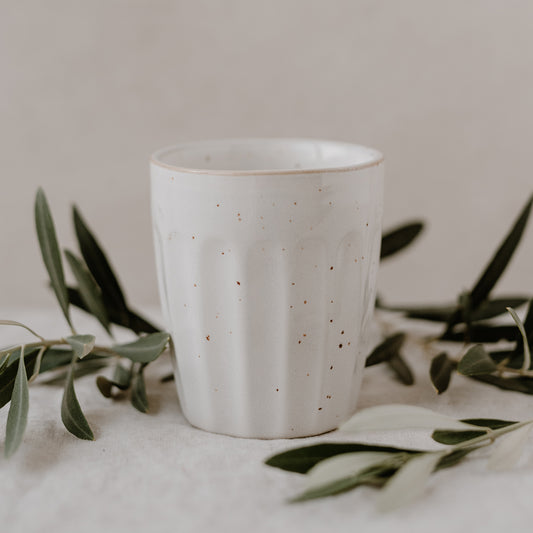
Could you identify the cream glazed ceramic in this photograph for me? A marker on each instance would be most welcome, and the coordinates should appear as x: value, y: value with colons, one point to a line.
x: 267, y: 253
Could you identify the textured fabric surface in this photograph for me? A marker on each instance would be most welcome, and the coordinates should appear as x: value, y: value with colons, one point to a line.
x: 155, y: 472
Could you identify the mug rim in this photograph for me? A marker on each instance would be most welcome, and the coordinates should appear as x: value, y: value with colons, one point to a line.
x: 375, y: 157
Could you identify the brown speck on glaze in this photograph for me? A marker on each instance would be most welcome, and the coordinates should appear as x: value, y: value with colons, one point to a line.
x: 207, y: 158
x: 221, y: 253
x: 330, y: 203
x: 218, y: 205
x: 262, y: 249
x: 299, y: 342
x: 331, y: 367
x: 184, y: 305
x: 273, y: 204
x: 304, y: 335
x: 291, y: 306
x: 240, y: 219
x: 316, y: 266
x: 331, y: 321
x: 230, y: 332
x: 263, y: 228
x: 355, y: 260
x: 331, y: 268
x: 290, y: 219
x: 328, y: 396
x: 342, y: 332
x: 293, y: 284
x: 319, y: 190
x: 277, y: 390
x: 172, y: 178
x: 362, y: 257
x: 208, y: 337
x: 305, y: 301
x: 238, y: 282
x: 198, y: 356
x: 349, y: 343
x: 193, y: 237
x: 331, y: 301
x: 240, y: 299
x: 216, y: 390
x: 320, y: 408
x: 195, y: 285
x: 340, y: 345
x: 295, y: 203
x: 367, y: 224
x: 261, y: 218
x: 310, y: 228
x: 283, y: 249
x: 307, y: 374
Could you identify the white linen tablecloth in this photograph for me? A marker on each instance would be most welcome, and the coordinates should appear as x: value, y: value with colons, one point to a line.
x: 154, y: 472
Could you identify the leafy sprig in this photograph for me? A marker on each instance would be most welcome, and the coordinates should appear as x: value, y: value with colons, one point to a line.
x: 99, y: 293
x: 400, y: 473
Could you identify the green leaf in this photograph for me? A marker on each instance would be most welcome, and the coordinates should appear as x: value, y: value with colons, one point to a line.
x: 55, y: 358
x: 81, y: 344
x: 131, y: 321
x: 456, y: 437
x: 50, y: 251
x: 121, y: 380
x: 501, y: 258
x: 85, y: 367
x: 345, y: 471
x: 409, y: 481
x: 7, y: 378
x: 519, y: 384
x: 98, y: 265
x: 442, y: 313
x: 167, y: 378
x: 301, y: 460
x: 397, y: 239
x: 397, y: 416
x: 89, y: 291
x: 507, y: 452
x: 441, y: 371
x: 455, y: 457
x: 17, y: 417
x: 401, y: 369
x: 145, y: 349
x: 527, y: 354
x: 476, y: 361
x: 384, y: 351
x: 138, y: 392
x: 71, y: 414
x: 342, y: 466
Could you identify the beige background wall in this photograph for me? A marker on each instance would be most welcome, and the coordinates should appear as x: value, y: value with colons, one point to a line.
x: 88, y: 89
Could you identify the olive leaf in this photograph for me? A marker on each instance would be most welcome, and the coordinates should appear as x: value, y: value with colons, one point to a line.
x: 501, y: 258
x: 50, y: 251
x: 145, y: 349
x: 8, y: 376
x: 121, y: 380
x: 384, y: 351
x: 397, y: 239
x: 408, y: 483
x: 481, y: 333
x: 131, y: 320
x: 476, y: 361
x: 397, y: 416
x: 401, y: 369
x: 518, y: 384
x: 440, y: 372
x: 89, y: 291
x: 81, y: 344
x: 507, y: 452
x: 138, y: 391
x: 17, y: 417
x: 456, y: 437
x: 71, y: 414
x: 527, y: 354
x: 345, y: 471
x: 301, y: 460
x: 98, y: 265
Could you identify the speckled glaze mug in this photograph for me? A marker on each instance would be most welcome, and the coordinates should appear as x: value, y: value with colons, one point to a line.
x: 267, y: 253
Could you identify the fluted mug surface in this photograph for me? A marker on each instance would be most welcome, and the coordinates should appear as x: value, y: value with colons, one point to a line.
x: 267, y: 253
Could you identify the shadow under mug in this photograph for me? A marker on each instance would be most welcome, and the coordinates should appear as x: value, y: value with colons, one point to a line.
x: 267, y: 252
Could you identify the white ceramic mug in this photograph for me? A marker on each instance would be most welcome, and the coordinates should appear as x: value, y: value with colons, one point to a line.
x: 267, y: 252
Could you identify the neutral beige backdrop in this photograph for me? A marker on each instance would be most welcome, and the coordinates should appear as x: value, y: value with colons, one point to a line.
x: 88, y: 89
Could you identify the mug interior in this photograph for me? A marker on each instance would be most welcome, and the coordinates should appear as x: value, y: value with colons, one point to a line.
x: 266, y: 156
